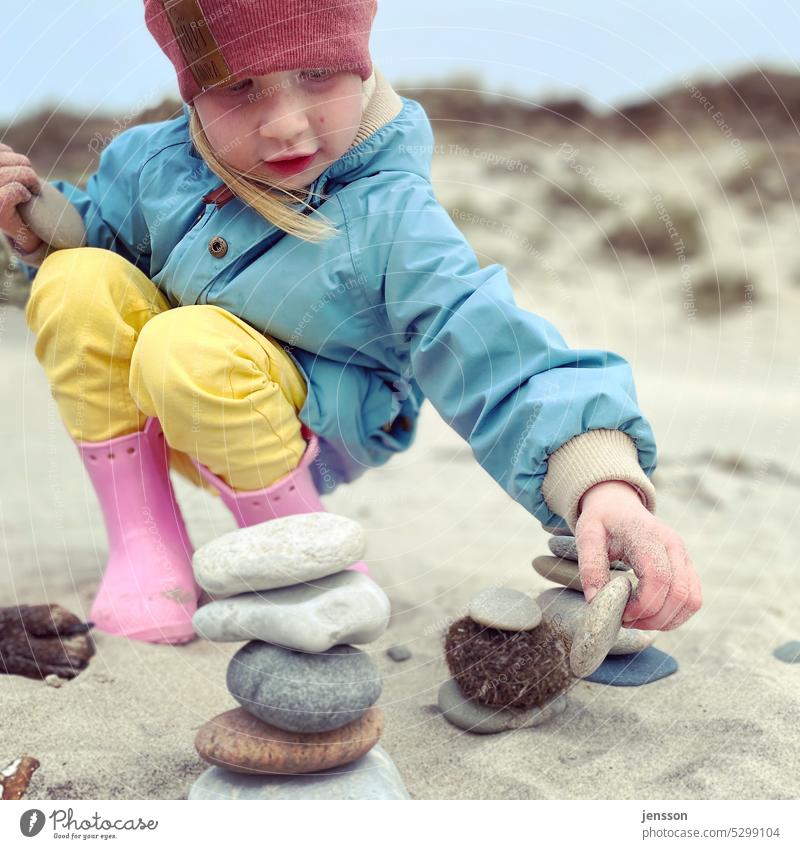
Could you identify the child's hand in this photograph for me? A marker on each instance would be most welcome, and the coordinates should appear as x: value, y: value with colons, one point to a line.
x: 18, y: 182
x: 613, y: 524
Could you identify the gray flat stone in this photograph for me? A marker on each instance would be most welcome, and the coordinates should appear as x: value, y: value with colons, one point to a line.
x: 566, y: 608
x: 505, y: 608
x: 788, y: 652
x: 53, y: 218
x: 566, y: 572
x: 278, y: 553
x: 479, y: 719
x: 300, y: 691
x: 373, y: 776
x: 599, y: 627
x: 563, y: 546
x: 348, y: 607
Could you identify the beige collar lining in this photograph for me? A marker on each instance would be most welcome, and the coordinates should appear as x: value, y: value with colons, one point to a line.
x: 381, y: 105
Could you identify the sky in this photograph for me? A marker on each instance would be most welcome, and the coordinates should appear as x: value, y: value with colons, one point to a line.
x: 98, y: 56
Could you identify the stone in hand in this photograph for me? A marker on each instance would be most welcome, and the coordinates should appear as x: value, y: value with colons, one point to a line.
x: 371, y: 777
x: 299, y: 691
x: 479, y: 719
x: 53, y: 218
x: 238, y: 741
x: 599, y: 627
x: 278, y: 553
x: 565, y: 609
x: 348, y: 607
x: 505, y: 608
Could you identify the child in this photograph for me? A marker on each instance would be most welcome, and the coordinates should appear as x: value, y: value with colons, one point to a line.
x: 279, y: 323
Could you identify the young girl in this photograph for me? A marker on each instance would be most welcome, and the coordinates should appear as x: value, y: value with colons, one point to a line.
x: 268, y: 292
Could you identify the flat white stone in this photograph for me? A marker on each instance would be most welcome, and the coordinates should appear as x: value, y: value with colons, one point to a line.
x: 373, y: 776
x: 599, y: 627
x: 278, y: 553
x: 348, y: 607
x: 505, y: 608
x: 566, y: 608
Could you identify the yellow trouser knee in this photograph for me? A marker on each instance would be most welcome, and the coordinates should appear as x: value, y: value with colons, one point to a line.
x: 115, y: 352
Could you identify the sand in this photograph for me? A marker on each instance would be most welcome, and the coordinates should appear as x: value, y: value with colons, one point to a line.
x: 723, y: 395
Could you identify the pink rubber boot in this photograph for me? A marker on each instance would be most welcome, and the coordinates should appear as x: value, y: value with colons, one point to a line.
x: 148, y: 591
x: 289, y: 496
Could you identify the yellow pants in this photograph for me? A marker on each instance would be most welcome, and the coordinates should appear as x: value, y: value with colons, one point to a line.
x: 115, y: 352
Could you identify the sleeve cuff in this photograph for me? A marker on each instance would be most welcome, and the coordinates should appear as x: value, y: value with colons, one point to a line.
x: 590, y: 458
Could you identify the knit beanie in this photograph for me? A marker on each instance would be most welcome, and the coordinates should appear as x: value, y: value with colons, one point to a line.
x: 211, y: 42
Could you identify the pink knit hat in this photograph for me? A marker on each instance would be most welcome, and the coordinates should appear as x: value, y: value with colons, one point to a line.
x: 210, y: 42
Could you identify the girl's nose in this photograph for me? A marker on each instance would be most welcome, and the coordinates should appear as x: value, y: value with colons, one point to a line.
x: 284, y: 119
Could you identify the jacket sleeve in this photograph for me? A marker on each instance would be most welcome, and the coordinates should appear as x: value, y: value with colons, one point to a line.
x: 110, y: 204
x: 546, y: 421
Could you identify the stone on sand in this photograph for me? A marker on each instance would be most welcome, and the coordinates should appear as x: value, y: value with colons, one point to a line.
x: 373, y: 776
x: 788, y: 652
x: 479, y: 719
x: 634, y: 670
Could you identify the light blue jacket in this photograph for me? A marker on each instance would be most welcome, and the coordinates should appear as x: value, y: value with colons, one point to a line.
x: 393, y: 310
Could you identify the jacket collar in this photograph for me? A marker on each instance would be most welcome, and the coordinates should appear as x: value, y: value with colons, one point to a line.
x: 381, y: 105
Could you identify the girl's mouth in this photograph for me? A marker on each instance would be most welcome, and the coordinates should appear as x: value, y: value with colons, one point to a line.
x: 291, y: 166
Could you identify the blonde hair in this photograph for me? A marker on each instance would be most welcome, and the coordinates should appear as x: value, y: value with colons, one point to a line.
x: 270, y: 201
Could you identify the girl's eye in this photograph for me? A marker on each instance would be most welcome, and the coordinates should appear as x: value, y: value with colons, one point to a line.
x: 237, y: 87
x: 318, y: 74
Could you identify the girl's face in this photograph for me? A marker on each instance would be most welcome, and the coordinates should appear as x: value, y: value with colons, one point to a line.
x: 282, y: 115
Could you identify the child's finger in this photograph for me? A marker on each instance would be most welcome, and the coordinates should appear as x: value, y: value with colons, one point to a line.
x: 693, y: 603
x: 678, y: 590
x: 652, y: 566
x: 592, y: 544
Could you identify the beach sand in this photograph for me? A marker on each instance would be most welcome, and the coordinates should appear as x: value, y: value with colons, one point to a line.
x: 723, y: 395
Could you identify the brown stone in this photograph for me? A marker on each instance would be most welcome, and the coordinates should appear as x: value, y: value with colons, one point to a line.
x: 15, y: 777
x: 43, y: 639
x: 238, y: 741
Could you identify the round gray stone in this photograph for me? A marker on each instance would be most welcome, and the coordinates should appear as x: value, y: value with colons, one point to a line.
x: 348, y: 607
x: 278, y: 553
x: 563, y: 546
x: 300, y: 691
x: 599, y: 627
x: 373, y: 776
x: 565, y: 608
x: 505, y: 608
x: 479, y: 719
x: 398, y: 653
x: 53, y: 218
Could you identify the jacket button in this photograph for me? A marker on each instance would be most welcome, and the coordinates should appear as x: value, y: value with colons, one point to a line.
x: 218, y: 247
